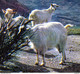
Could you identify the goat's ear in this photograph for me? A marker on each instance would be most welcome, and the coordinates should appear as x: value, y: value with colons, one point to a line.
x: 3, y: 11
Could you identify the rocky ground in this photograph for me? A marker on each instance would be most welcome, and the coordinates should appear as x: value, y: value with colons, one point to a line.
x: 24, y: 60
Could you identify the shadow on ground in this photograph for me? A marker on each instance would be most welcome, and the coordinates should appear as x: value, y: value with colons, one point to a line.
x: 32, y: 51
x: 19, y: 67
x: 71, y: 67
x: 28, y: 68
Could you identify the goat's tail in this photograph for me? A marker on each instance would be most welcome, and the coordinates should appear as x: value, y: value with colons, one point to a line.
x: 68, y: 25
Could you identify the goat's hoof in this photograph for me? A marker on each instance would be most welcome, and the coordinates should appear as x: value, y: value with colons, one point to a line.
x: 61, y: 63
x: 42, y: 64
x: 36, y: 63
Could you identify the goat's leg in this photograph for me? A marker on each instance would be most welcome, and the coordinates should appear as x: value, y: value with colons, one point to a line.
x: 37, y: 61
x: 33, y: 23
x: 63, y: 57
x: 43, y: 60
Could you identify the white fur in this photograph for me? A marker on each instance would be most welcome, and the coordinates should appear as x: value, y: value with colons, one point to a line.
x: 9, y: 13
x: 17, y: 21
x: 41, y: 16
x: 48, y: 35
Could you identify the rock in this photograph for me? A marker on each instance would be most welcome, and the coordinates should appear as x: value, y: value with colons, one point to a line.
x: 14, y: 4
x: 68, y: 12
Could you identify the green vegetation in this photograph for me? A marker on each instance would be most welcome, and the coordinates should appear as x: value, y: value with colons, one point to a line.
x: 74, y: 30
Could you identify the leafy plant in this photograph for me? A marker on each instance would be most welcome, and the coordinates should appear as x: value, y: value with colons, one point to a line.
x: 74, y: 31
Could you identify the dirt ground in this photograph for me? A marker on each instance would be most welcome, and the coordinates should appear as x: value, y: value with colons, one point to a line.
x: 24, y: 60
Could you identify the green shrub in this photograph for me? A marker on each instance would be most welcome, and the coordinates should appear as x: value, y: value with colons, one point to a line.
x: 74, y: 30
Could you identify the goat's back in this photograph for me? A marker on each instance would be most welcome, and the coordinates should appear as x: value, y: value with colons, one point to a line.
x: 48, y: 35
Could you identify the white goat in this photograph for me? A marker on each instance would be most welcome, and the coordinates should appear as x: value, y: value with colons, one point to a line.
x: 9, y: 13
x: 41, y: 16
x: 48, y: 35
x: 17, y: 22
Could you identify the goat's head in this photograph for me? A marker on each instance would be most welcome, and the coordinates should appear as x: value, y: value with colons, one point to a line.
x: 54, y: 6
x: 8, y: 13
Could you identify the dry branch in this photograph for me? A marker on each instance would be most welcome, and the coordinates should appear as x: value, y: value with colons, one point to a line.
x: 12, y: 37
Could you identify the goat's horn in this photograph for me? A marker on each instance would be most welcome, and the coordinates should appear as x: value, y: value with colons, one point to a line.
x: 28, y: 22
x: 13, y: 12
x: 57, y: 5
x: 14, y: 9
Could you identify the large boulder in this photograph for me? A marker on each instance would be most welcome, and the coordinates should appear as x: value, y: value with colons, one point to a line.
x: 14, y: 4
